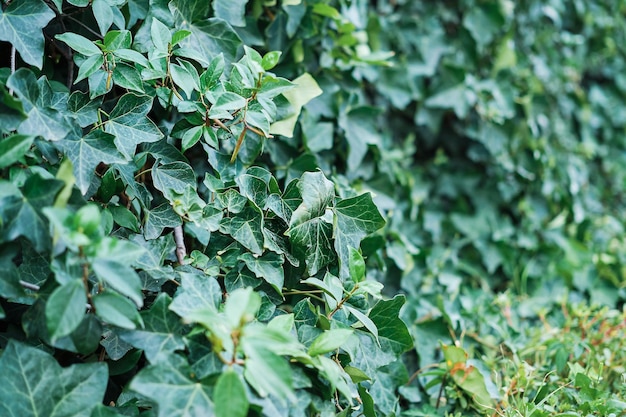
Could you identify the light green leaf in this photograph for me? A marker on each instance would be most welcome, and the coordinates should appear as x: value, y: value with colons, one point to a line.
x: 269, y: 267
x: 65, y: 308
x: 196, y: 292
x: 121, y: 277
x: 114, y: 309
x: 21, y: 24
x: 169, y: 386
x: 161, y: 35
x: 270, y: 60
x: 127, y: 76
x: 87, y: 153
x: 129, y: 123
x: 231, y: 11
x: 103, y: 13
x: 226, y: 102
x: 360, y: 125
x: 79, y: 43
x: 306, y: 89
x: 40, y: 387
x: 355, y: 218
x: 329, y: 341
x: 230, y: 396
x: 268, y: 374
x: 13, y: 148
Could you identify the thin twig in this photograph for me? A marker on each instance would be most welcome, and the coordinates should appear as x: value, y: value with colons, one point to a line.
x: 12, y: 66
x: 181, y: 250
x: 30, y: 286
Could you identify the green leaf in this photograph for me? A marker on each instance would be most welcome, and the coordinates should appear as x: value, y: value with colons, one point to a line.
x: 392, y: 332
x: 37, y: 98
x: 355, y: 218
x: 173, y: 177
x: 329, y: 341
x: 121, y: 277
x: 161, y: 35
x: 65, y: 308
x: 21, y: 24
x: 21, y: 210
x: 40, y: 387
x: 270, y: 60
x: 226, y: 102
x: 209, y: 37
x: 79, y: 43
x: 268, y: 374
x: 161, y: 334
x: 13, y: 148
x: 103, y: 13
x: 117, y: 310
x: 127, y: 76
x: 230, y: 396
x: 196, y: 292
x: 159, y: 218
x: 361, y: 129
x: 87, y: 153
x: 231, y: 11
x: 309, y: 228
x: 356, y: 266
x: 169, y: 385
x: 269, y: 267
x: 83, y: 109
x: 129, y: 123
x: 246, y: 228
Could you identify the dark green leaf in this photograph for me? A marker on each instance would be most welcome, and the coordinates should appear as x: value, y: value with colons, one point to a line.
x: 21, y: 25
x: 87, y: 153
x: 129, y: 123
x: 40, y: 387
x: 392, y: 332
x: 269, y: 267
x: 355, y: 218
x: 196, y: 292
x: 79, y: 43
x: 231, y: 11
x: 246, y: 228
x: 169, y: 385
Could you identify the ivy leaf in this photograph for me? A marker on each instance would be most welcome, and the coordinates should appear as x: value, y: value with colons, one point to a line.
x: 65, y: 308
x: 13, y: 148
x: 361, y: 129
x: 246, y: 228
x: 173, y: 178
x: 269, y: 267
x: 355, y: 218
x: 117, y: 310
x: 209, y: 37
x: 230, y: 396
x: 329, y: 341
x: 129, y: 123
x: 393, y: 334
x: 161, y: 334
x: 196, y: 292
x: 87, y: 153
x: 158, y: 218
x: 40, y: 387
x: 168, y: 384
x: 21, y: 210
x: 231, y: 11
x: 21, y: 24
x: 121, y: 277
x: 37, y: 98
x: 309, y: 229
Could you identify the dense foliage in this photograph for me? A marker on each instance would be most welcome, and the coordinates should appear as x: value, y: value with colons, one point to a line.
x: 312, y: 207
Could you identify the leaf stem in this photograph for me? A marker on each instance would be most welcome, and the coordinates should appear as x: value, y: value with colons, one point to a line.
x: 181, y: 250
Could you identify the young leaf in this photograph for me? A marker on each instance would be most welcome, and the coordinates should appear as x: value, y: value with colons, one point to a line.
x: 65, y: 308
x: 79, y: 43
x: 114, y: 309
x: 329, y: 341
x: 230, y: 396
x: 121, y: 277
x: 13, y: 148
